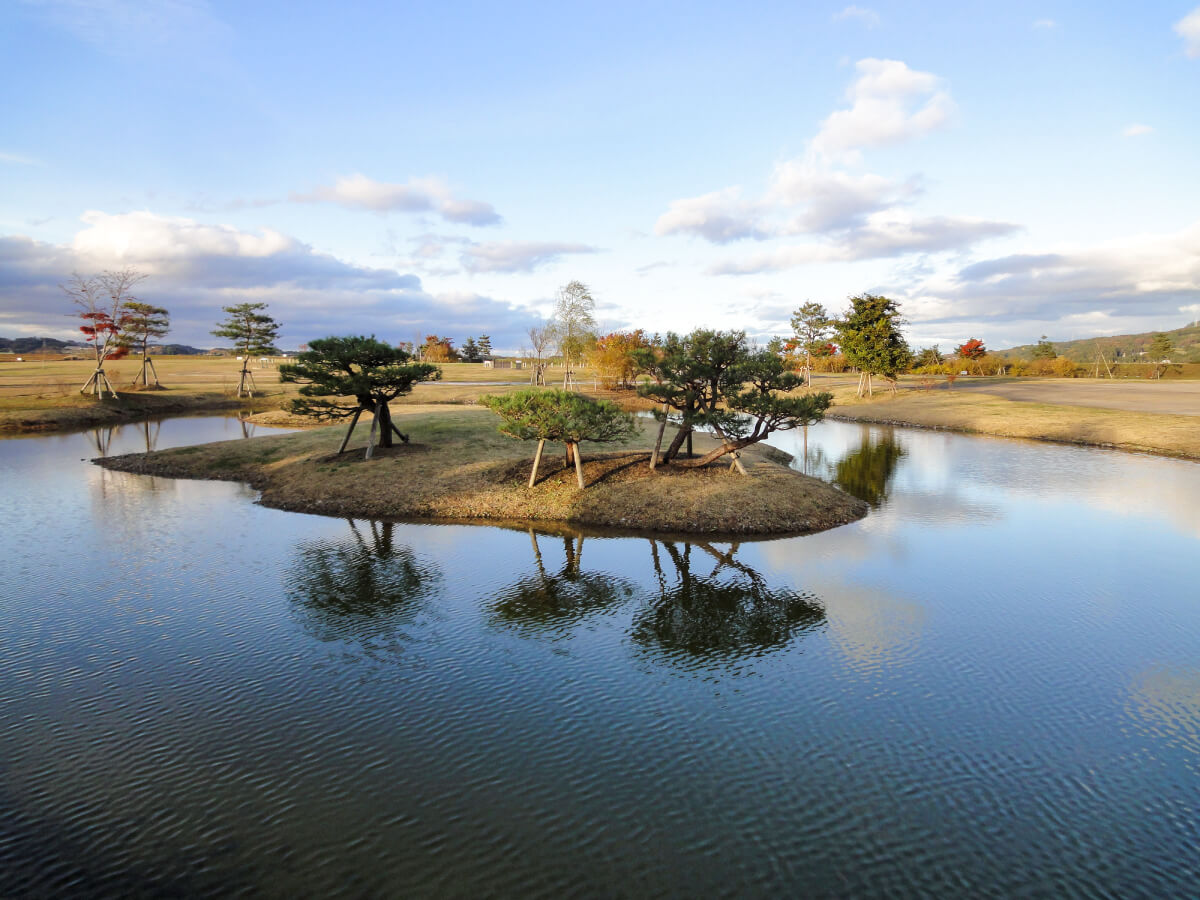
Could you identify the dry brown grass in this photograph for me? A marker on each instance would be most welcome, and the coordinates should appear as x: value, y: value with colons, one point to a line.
x: 37, y: 396
x: 458, y: 467
x: 982, y: 413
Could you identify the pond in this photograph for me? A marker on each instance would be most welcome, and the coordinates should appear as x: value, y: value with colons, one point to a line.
x: 989, y: 686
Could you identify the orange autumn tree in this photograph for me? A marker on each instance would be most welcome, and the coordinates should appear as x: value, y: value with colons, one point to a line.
x: 614, y: 358
x: 438, y: 349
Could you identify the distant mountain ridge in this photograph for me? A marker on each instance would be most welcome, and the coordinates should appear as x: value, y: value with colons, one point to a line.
x: 1120, y: 347
x: 54, y: 345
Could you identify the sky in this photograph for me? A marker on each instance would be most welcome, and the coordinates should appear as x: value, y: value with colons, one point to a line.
x: 1004, y: 171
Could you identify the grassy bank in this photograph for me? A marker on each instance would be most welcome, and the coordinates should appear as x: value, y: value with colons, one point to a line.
x: 44, y: 396
x: 981, y: 413
x: 458, y: 467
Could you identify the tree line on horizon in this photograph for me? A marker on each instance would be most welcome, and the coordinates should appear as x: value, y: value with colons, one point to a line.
x: 866, y: 337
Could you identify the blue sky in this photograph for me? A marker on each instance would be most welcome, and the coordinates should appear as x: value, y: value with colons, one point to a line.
x: 1005, y: 171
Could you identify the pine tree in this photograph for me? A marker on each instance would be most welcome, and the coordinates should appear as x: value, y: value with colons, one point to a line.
x: 870, y: 338
x: 341, y: 377
x: 253, y: 333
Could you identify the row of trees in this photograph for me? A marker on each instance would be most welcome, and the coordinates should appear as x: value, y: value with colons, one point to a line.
x: 116, y: 322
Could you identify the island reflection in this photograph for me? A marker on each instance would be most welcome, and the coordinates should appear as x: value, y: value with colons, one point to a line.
x: 678, y: 613
x: 728, y: 615
x: 361, y: 589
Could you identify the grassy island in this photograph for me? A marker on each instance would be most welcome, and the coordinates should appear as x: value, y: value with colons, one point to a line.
x: 458, y: 467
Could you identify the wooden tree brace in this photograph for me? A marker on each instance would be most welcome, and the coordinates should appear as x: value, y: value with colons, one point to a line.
x: 350, y: 430
x: 537, y: 460
x: 578, y: 467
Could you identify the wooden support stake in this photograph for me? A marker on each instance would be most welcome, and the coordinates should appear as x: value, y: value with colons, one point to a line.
x: 371, y: 442
x: 578, y: 467
x: 350, y: 431
x: 737, y: 461
x: 662, y: 427
x: 537, y: 461
x: 398, y: 434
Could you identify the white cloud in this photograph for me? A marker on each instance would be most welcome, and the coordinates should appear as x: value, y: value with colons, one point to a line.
x: 1188, y: 28
x: 719, y: 217
x: 195, y: 268
x: 883, y: 234
x: 829, y: 199
x: 415, y: 195
x: 889, y: 103
x: 1044, y: 24
x: 148, y: 239
x: 854, y: 215
x: 1136, y: 130
x: 517, y: 256
x: 867, y: 17
x: 1139, y: 277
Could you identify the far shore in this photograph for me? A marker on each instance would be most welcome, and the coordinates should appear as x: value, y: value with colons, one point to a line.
x: 976, y: 410
x: 1140, y: 416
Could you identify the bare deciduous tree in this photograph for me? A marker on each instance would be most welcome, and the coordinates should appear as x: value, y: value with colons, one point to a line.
x: 102, y: 301
x: 540, y: 340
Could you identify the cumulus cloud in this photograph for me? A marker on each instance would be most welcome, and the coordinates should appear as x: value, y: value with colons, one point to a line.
x: 517, y: 256
x: 884, y: 234
x: 853, y: 215
x: 415, y: 195
x: 1188, y: 28
x: 1106, y: 287
x: 1136, y: 130
x: 889, y: 103
x: 867, y: 17
x: 196, y: 268
x: 719, y: 217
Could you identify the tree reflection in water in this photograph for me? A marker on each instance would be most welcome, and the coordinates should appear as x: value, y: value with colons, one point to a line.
x: 360, y: 590
x: 553, y: 601
x: 728, y: 615
x: 867, y: 472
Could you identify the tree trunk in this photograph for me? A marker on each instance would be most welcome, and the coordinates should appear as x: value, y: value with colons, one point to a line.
x: 570, y: 453
x: 727, y: 446
x: 680, y: 436
x: 385, y: 424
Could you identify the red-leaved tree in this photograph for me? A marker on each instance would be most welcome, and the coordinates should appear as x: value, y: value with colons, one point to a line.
x: 102, y: 302
x: 972, y: 349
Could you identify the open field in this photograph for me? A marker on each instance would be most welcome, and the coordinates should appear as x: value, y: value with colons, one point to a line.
x: 459, y: 467
x: 982, y: 410
x: 41, y: 395
x: 1180, y: 398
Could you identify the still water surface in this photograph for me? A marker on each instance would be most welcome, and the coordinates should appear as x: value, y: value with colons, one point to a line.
x: 989, y: 686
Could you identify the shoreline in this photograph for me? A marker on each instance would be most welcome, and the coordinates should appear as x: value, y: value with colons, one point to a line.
x: 458, y: 469
x: 131, y: 407
x: 979, y: 413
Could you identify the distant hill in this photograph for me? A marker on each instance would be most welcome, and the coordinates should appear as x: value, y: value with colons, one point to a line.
x: 30, y: 344
x: 1120, y: 347
x: 174, y: 350
x: 27, y: 345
